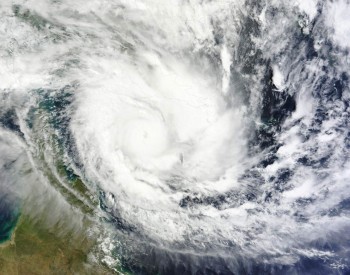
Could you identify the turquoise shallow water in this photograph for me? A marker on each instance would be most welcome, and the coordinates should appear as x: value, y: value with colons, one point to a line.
x: 8, y: 220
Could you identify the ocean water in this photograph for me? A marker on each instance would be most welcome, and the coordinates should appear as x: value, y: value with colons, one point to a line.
x: 8, y: 219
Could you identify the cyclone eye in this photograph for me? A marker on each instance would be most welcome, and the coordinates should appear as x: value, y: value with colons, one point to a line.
x: 144, y: 138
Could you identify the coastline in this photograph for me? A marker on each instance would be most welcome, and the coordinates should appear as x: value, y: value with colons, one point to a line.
x: 10, y: 241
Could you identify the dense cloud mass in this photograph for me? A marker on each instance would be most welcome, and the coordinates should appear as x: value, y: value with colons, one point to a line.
x: 207, y: 137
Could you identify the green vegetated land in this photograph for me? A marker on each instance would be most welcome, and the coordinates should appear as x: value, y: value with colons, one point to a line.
x: 36, y: 250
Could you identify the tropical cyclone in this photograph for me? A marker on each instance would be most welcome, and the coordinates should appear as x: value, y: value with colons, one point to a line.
x: 146, y: 127
x: 204, y: 136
